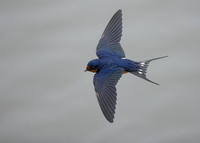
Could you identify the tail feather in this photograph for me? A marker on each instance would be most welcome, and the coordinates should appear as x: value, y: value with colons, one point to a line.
x: 141, y: 72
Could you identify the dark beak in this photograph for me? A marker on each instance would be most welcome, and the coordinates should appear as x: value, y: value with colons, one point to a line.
x: 85, y: 70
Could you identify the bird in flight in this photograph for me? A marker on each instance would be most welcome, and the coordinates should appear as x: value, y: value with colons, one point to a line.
x: 111, y: 64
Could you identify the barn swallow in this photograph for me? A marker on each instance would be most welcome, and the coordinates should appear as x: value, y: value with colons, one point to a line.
x: 111, y: 64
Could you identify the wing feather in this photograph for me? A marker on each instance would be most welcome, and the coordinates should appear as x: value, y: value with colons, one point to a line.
x: 104, y: 83
x: 109, y: 43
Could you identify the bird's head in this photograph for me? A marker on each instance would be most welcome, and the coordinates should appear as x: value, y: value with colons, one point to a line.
x: 93, y: 66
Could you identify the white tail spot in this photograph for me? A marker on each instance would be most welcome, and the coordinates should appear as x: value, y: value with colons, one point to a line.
x: 140, y: 72
x: 142, y: 64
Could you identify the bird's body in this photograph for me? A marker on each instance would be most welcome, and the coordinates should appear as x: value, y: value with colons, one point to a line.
x: 111, y: 65
x: 112, y: 61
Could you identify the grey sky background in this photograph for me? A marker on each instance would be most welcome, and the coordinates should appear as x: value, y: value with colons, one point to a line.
x: 45, y: 96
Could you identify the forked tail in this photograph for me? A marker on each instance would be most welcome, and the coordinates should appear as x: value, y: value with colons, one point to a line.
x: 141, y: 72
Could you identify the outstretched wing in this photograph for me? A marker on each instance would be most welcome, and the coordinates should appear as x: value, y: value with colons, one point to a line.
x: 104, y: 83
x: 109, y: 42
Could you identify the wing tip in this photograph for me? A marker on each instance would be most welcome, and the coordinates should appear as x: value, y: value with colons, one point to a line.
x: 111, y: 121
x: 119, y: 10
